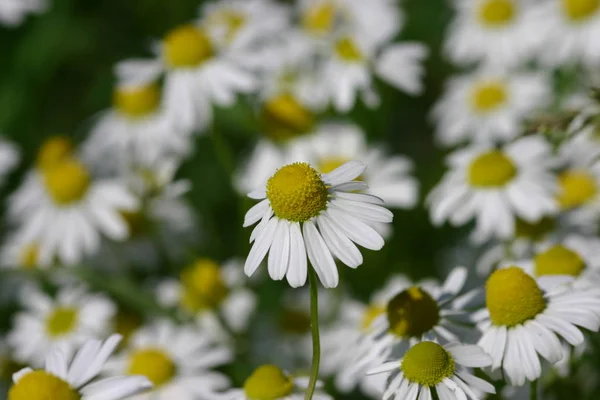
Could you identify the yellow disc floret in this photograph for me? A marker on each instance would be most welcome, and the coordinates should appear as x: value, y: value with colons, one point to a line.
x: 320, y: 19
x: 53, y: 151
x: 67, y: 181
x: 61, y: 321
x: 28, y: 256
x: 412, y: 313
x: 187, y: 46
x: 580, y: 10
x: 203, y: 286
x: 370, y: 315
x: 488, y: 96
x: 40, y: 385
x: 577, y: 187
x: 137, y: 101
x: 513, y: 297
x: 496, y: 12
x: 154, y: 364
x: 297, y: 192
x: 427, y: 364
x: 491, y: 169
x: 348, y: 50
x: 283, y: 118
x: 268, y: 382
x: 559, y: 260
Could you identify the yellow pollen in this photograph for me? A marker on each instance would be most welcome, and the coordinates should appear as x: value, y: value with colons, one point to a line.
x: 370, y: 315
x: 268, y: 382
x: 154, y: 364
x: 61, y: 321
x: 187, y: 46
x: 53, y: 151
x: 232, y: 20
x: 137, y: 102
x: 559, y: 260
x: 28, y: 257
x: 579, y: 10
x: 203, y: 286
x: 496, y: 12
x: 491, y: 169
x: 283, y: 118
x: 534, y: 230
x: 577, y: 187
x: 67, y: 181
x: 320, y: 20
x: 488, y: 96
x: 40, y: 385
x: 513, y: 297
x: 297, y: 192
x: 412, y: 313
x: 348, y: 50
x: 427, y: 364
x: 294, y: 322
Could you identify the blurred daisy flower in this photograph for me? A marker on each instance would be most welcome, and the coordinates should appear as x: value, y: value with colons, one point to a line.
x: 176, y: 359
x: 524, y: 319
x: 64, y: 322
x: 13, y: 12
x: 495, y: 186
x: 9, y: 158
x: 64, y: 378
x: 488, y: 106
x: 16, y: 253
x: 297, y: 199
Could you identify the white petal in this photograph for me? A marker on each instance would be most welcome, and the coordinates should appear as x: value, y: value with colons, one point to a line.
x: 344, y: 173
x: 356, y: 230
x: 56, y: 364
x: 319, y: 255
x: 280, y: 251
x: 385, y: 367
x: 297, y: 270
x: 260, y: 248
x: 116, y: 388
x: 470, y: 356
x: 256, y: 213
x: 340, y: 245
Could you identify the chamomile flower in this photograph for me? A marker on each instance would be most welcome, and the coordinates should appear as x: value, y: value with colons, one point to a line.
x: 64, y: 322
x: 13, y: 12
x: 176, y: 359
x: 488, y: 105
x: 16, y: 253
x: 66, y: 378
x: 495, y: 186
x: 524, y: 320
x: 294, y: 202
x: 428, y: 368
x: 9, y: 158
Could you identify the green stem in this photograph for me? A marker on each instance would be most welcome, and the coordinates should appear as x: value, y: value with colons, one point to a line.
x: 533, y: 393
x: 314, y: 317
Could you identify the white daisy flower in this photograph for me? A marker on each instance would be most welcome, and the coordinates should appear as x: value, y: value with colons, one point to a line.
x: 494, y: 32
x: 428, y: 369
x: 63, y: 378
x: 176, y: 359
x: 9, y: 158
x: 524, y: 319
x: 488, y: 105
x: 64, y: 322
x: 495, y: 186
x: 295, y: 201
x: 15, y: 253
x: 211, y: 291
x: 270, y: 382
x: 13, y: 12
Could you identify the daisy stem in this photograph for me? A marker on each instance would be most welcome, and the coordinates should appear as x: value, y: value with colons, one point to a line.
x: 314, y: 318
x: 533, y: 392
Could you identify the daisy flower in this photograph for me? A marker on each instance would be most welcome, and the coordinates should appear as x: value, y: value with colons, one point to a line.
x: 9, y: 158
x: 488, y: 105
x: 13, y: 12
x: 16, y: 253
x: 63, y: 378
x: 428, y: 369
x: 270, y: 382
x: 495, y: 186
x: 64, y: 322
x: 176, y: 359
x: 524, y: 319
x: 294, y: 202
x: 210, y: 291
x: 494, y: 32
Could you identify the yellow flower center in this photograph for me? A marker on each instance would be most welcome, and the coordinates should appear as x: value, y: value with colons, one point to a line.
x: 320, y: 19
x: 28, y: 257
x: 326, y: 165
x: 137, y: 102
x: 558, y: 260
x: 488, y: 96
x: 294, y: 322
x: 497, y: 12
x: 491, y: 169
x: 67, y: 181
x: 370, y: 315
x: 232, y: 20
x: 513, y: 297
x: 577, y: 187
x: 283, y: 118
x: 187, y: 46
x: 579, y: 10
x: 154, y: 364
x: 61, y: 321
x: 40, y: 385
x: 534, y: 230
x: 348, y: 50
x: 53, y: 151
x: 427, y: 364
x: 412, y: 313
x: 268, y: 382
x: 203, y: 286
x: 297, y: 192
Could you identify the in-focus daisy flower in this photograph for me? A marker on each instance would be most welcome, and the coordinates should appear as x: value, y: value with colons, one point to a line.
x: 494, y: 32
x: 524, y: 319
x: 428, y: 369
x: 176, y: 359
x: 9, y: 157
x: 294, y: 202
x: 213, y: 293
x: 270, y: 382
x: 72, y: 379
x: 495, y: 186
x: 488, y: 105
x: 64, y: 322
x: 13, y: 12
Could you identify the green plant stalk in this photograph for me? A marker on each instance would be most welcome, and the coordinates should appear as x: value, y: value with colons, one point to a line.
x: 533, y: 393
x: 316, y: 343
